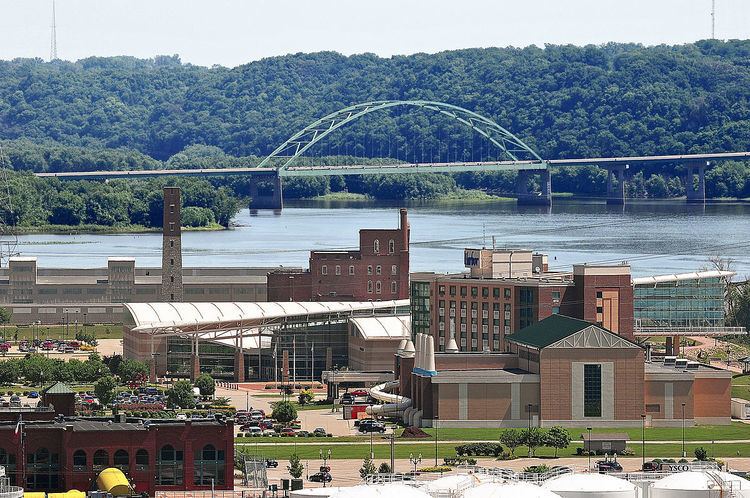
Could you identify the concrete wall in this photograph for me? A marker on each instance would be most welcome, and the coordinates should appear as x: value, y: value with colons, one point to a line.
x: 371, y: 356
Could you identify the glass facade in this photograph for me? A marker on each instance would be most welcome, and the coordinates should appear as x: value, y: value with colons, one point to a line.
x: 420, y: 308
x: 681, y: 303
x: 592, y: 390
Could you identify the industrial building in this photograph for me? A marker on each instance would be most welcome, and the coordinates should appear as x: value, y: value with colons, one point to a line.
x: 378, y: 271
x: 56, y: 452
x: 561, y: 370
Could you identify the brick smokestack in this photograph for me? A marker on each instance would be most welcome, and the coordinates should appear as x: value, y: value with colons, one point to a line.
x: 171, y: 262
x: 403, y: 274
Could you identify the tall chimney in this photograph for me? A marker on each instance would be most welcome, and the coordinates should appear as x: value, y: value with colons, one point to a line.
x: 171, y: 260
x: 404, y: 226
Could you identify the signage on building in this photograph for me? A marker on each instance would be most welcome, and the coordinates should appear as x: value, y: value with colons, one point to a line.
x: 471, y: 258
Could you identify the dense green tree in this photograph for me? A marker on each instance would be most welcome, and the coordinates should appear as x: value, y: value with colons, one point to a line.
x: 512, y: 438
x: 104, y: 389
x: 206, y: 384
x: 557, y: 437
x: 533, y: 438
x: 10, y: 371
x: 131, y: 370
x: 5, y: 315
x: 284, y: 412
x: 181, y: 395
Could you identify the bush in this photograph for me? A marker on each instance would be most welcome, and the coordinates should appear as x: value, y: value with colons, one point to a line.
x: 701, y: 454
x: 284, y: 412
x: 459, y: 460
x: 439, y: 468
x: 479, y: 449
x: 536, y: 469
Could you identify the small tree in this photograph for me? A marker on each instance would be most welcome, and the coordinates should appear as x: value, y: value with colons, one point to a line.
x: 5, y: 315
x: 556, y: 437
x: 181, y: 394
x: 384, y: 468
x: 701, y: 454
x: 306, y: 396
x: 284, y: 412
x: 368, y: 468
x: 132, y: 370
x: 206, y: 384
x: 105, y: 389
x: 512, y: 438
x: 295, y: 467
x: 533, y: 438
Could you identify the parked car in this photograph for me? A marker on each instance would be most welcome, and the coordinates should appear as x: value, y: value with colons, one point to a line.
x: 270, y: 433
x: 371, y: 426
x: 181, y: 416
x: 271, y: 463
x: 359, y: 392
x: 319, y: 432
x: 321, y: 477
x: 347, y: 399
x: 33, y: 394
x: 255, y: 431
x: 608, y: 465
x: 287, y: 431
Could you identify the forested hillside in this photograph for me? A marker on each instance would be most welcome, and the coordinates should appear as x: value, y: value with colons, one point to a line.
x: 564, y: 101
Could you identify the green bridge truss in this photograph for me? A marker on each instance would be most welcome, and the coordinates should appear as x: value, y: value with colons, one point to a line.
x: 512, y: 147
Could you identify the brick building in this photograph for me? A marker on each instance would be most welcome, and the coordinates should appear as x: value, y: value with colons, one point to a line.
x: 563, y: 371
x: 156, y: 455
x: 379, y: 270
x: 508, y: 290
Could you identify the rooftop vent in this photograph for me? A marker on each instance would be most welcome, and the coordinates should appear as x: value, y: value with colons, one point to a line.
x: 681, y: 363
x: 693, y: 365
x: 669, y: 360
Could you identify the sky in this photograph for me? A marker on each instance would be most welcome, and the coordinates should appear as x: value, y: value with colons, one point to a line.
x: 234, y: 32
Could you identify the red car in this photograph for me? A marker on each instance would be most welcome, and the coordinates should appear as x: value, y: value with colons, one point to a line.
x: 359, y: 392
x: 4, y: 347
x: 287, y: 432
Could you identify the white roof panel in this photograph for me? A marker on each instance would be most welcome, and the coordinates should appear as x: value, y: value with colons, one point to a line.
x: 682, y: 276
x: 383, y: 327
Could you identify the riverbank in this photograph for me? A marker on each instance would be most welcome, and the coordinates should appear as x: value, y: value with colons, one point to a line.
x: 105, y: 229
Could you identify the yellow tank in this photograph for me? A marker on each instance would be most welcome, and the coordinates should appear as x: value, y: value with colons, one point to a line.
x: 73, y: 493
x: 113, y: 481
x: 34, y: 494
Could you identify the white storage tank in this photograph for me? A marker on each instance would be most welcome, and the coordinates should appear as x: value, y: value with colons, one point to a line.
x: 591, y: 486
x: 380, y: 491
x: 509, y: 490
x: 314, y: 492
x: 450, y: 484
x: 707, y: 484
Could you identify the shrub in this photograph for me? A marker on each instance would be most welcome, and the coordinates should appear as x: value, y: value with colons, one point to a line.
x: 439, y: 468
x: 701, y: 454
x: 536, y: 469
x: 479, y: 449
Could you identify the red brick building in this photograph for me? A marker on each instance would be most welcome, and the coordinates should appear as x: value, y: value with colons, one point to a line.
x: 156, y: 455
x: 379, y: 270
x: 508, y: 290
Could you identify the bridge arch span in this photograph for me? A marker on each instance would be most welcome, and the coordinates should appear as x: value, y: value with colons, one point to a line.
x: 512, y: 147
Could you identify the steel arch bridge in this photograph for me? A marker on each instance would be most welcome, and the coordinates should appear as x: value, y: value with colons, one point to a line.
x: 511, y: 147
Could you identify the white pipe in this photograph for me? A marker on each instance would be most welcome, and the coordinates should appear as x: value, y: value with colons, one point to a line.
x: 430, y: 363
x: 394, y: 402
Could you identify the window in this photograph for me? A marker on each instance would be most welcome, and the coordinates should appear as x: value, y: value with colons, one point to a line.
x: 378, y: 270
x: 599, y: 294
x: 452, y: 290
x: 377, y: 287
x: 555, y: 295
x: 369, y: 269
x: 121, y: 460
x: 592, y: 390
x: 324, y: 270
x: 394, y: 271
x: 79, y: 460
x: 506, y: 293
x: 141, y: 459
x: 8, y: 460
x: 169, y: 466
x: 555, y: 310
x: 171, y: 278
x: 463, y: 291
x: 171, y: 226
x: 369, y: 286
x: 42, y: 470
x: 485, y: 292
x: 171, y: 261
x: 655, y: 408
x: 474, y: 292
x: 376, y: 246
x: 351, y: 269
x: 171, y: 243
x: 101, y: 459
x: 496, y: 293
x: 209, y: 466
x: 391, y: 246
x: 394, y: 287
x: 338, y: 270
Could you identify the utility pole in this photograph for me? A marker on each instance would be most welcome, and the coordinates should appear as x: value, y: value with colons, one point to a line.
x: 53, y: 36
x: 713, y: 19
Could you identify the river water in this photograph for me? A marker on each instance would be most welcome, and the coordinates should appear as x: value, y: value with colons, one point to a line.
x: 655, y: 237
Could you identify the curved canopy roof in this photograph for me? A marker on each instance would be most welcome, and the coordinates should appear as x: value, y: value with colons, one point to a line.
x: 656, y: 279
x: 383, y: 327
x: 195, y: 318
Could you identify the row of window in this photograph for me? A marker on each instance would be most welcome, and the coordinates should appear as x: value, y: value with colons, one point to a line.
x: 391, y: 246
x: 378, y: 270
x: 378, y: 287
x: 463, y: 291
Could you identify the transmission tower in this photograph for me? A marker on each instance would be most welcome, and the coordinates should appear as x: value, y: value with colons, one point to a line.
x: 8, y: 232
x: 53, y: 37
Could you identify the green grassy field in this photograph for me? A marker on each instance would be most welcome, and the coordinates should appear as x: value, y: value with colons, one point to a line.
x: 25, y: 332
x: 741, y: 386
x: 403, y: 449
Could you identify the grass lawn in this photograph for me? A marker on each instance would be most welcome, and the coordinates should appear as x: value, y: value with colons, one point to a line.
x: 403, y: 449
x: 741, y: 387
x: 737, y: 430
x: 25, y: 332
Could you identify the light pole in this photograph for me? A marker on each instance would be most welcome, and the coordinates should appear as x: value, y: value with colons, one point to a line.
x: 247, y: 401
x: 372, y: 455
x: 415, y: 460
x: 325, y: 456
x: 683, y: 430
x: 588, y: 447
x: 529, y: 433
x: 643, y: 439
x: 436, y: 441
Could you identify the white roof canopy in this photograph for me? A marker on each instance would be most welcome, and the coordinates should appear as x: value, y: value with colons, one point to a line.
x: 227, y: 322
x: 682, y: 276
x: 383, y: 327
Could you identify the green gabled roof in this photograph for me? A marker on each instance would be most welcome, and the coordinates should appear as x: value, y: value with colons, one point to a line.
x: 58, y: 388
x: 549, y: 331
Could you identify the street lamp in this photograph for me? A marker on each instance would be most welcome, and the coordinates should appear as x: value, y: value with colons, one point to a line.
x: 588, y: 448
x: 325, y: 456
x: 683, y: 430
x: 643, y: 439
x: 529, y: 410
x: 415, y: 460
x: 436, y: 441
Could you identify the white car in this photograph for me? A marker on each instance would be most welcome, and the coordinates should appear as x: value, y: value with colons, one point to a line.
x: 270, y: 432
x: 181, y: 416
x: 254, y: 431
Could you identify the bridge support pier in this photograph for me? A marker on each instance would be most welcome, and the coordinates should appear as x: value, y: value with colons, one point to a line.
x: 695, y: 182
x: 616, y: 184
x: 260, y: 199
x: 526, y: 197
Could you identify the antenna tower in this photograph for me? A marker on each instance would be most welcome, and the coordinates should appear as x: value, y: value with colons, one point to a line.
x: 8, y: 233
x: 53, y: 38
x: 713, y: 19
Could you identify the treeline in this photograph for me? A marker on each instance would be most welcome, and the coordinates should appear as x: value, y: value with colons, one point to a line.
x: 39, y: 202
